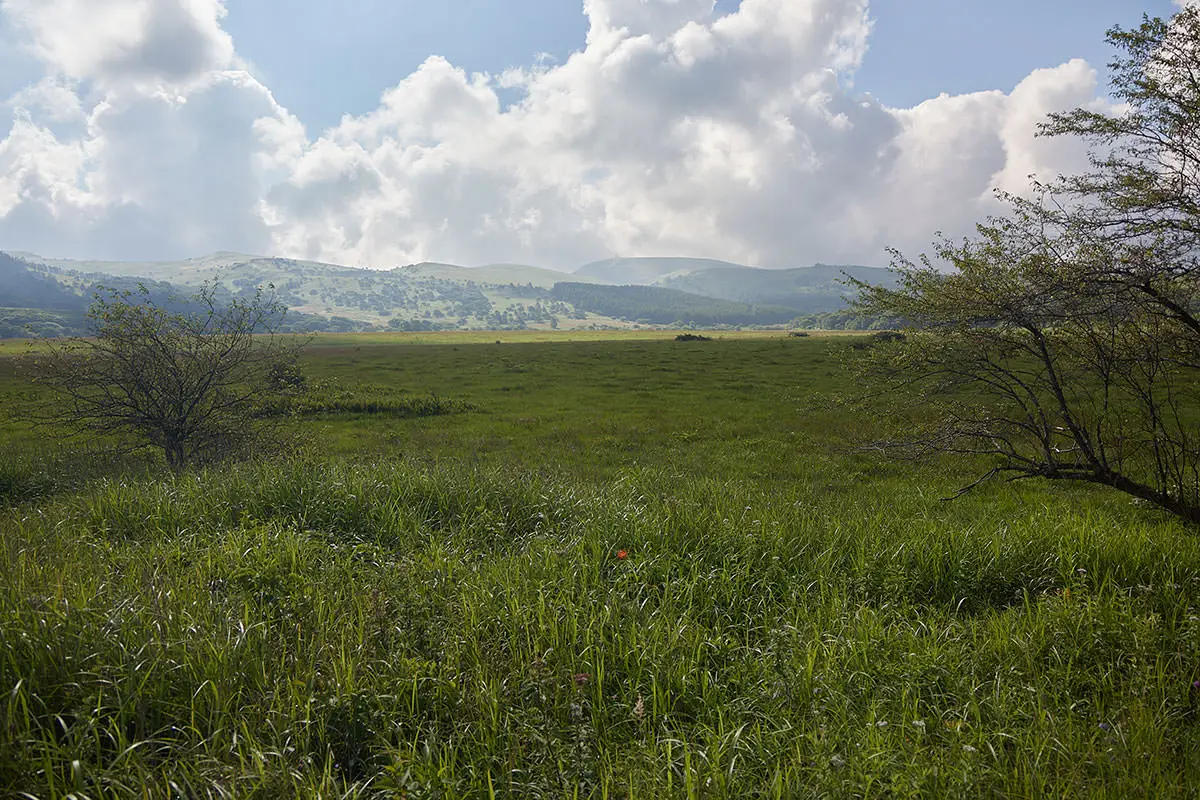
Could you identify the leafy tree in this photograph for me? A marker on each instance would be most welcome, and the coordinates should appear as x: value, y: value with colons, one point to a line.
x: 187, y: 379
x: 1064, y: 340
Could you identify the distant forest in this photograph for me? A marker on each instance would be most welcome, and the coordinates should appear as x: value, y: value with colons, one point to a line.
x: 656, y: 306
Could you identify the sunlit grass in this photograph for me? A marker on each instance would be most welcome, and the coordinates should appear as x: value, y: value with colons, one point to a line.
x: 437, y: 606
x: 500, y: 337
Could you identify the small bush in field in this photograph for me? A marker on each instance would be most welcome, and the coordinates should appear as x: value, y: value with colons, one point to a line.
x: 327, y: 398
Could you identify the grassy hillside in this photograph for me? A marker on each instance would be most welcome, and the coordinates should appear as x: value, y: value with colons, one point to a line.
x: 23, y: 286
x: 188, y: 272
x: 645, y: 271
x: 629, y: 569
x: 493, y: 274
x: 806, y: 290
x: 433, y: 297
x: 328, y: 297
x: 656, y: 306
x: 41, y: 300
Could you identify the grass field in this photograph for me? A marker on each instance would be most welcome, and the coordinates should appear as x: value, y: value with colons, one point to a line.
x: 627, y: 567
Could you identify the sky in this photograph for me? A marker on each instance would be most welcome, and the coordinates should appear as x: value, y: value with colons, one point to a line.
x: 548, y: 132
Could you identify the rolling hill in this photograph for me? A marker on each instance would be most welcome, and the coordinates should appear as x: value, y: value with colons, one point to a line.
x: 22, y: 286
x: 645, y: 271
x: 493, y: 274
x: 188, y: 272
x: 49, y: 296
x: 46, y: 301
x: 807, y: 290
x: 322, y: 296
x: 654, y: 305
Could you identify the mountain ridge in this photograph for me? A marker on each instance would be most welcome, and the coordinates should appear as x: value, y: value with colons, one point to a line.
x: 646, y: 270
x: 438, y: 296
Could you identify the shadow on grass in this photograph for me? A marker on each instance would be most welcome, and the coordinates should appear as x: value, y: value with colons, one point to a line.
x: 28, y: 474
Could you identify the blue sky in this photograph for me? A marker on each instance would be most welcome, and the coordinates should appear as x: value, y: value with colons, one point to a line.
x: 765, y: 132
x: 325, y: 59
x: 923, y: 47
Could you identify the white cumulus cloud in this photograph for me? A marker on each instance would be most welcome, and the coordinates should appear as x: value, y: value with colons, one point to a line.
x: 114, y: 40
x: 673, y: 130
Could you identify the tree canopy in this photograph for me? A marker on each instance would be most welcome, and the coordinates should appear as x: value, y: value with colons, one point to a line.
x: 187, y: 380
x: 1063, y: 341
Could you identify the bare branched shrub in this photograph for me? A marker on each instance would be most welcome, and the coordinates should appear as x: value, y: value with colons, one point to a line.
x: 186, y: 379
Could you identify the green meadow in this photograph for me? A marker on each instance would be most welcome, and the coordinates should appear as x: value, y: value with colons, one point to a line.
x: 582, y: 565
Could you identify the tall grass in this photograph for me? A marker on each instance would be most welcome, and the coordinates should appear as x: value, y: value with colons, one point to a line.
x: 338, y: 630
x: 700, y: 592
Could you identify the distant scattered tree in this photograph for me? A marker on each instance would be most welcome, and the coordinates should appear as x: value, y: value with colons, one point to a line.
x: 1064, y: 340
x: 187, y: 380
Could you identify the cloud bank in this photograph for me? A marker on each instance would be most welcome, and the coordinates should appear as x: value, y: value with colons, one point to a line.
x: 673, y: 131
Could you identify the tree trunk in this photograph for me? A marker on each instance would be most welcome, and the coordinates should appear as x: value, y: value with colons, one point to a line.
x: 175, y: 456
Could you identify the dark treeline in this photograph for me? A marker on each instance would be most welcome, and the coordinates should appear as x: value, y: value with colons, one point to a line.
x: 24, y: 287
x: 848, y: 320
x: 33, y: 303
x: 657, y: 306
